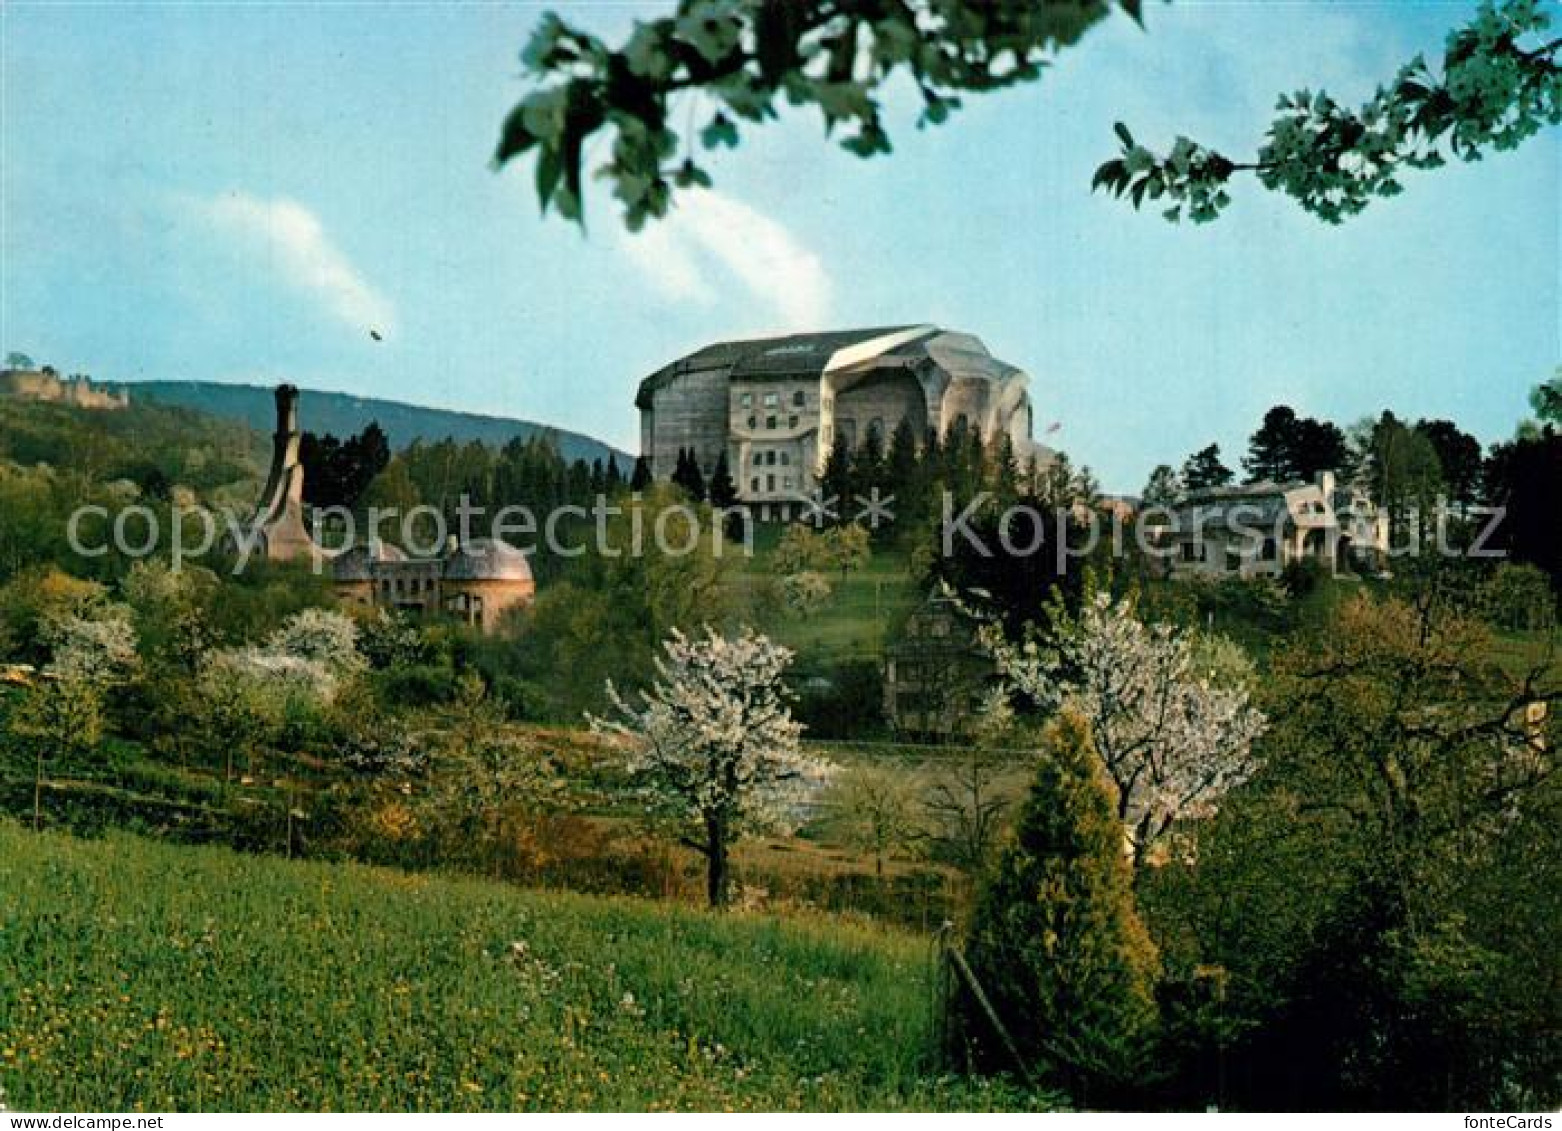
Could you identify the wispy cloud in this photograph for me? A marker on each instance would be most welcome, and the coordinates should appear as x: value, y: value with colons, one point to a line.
x: 711, y: 240
x: 292, y: 239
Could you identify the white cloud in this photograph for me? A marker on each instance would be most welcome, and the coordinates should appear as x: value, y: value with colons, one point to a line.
x: 711, y: 239
x: 292, y: 239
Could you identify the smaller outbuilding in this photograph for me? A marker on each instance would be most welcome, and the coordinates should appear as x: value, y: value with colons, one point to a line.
x: 476, y: 581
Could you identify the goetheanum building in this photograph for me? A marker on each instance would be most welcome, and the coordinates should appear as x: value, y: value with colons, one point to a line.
x: 776, y: 406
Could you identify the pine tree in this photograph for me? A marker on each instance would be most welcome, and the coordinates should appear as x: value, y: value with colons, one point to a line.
x: 904, y: 471
x: 1163, y: 487
x: 867, y: 464
x: 723, y: 491
x: 1204, y: 470
x: 837, y: 481
x: 640, y: 477
x: 615, y: 477
x: 1056, y: 941
x: 1006, y: 475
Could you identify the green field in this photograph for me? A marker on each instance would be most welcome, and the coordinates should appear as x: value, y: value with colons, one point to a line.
x: 140, y: 975
x: 864, y: 610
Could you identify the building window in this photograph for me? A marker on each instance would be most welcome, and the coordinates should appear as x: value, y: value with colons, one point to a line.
x: 791, y: 422
x: 786, y: 483
x: 753, y: 423
x: 747, y: 400
x: 799, y: 399
x: 772, y: 400
x: 786, y: 458
x: 754, y: 484
x: 770, y: 422
x: 770, y: 482
x: 759, y: 458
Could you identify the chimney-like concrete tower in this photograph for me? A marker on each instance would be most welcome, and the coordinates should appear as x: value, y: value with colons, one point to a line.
x: 279, y: 519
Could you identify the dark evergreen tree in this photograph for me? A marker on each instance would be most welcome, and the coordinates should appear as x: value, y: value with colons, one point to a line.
x: 1056, y: 939
x: 1524, y: 478
x: 337, y: 472
x: 640, y: 477
x: 1288, y: 447
x: 868, y: 468
x: 723, y: 491
x: 1459, y: 456
x: 1163, y: 488
x: 1270, y: 449
x: 614, y: 477
x: 1204, y: 470
x: 905, y: 472
x: 836, y: 482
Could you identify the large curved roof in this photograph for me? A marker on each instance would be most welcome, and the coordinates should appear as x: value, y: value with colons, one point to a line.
x: 837, y: 352
x: 486, y: 559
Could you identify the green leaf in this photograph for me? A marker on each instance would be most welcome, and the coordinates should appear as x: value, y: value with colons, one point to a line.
x: 719, y: 131
x: 1123, y: 135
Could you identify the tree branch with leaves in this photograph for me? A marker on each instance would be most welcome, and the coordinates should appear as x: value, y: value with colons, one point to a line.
x: 1499, y: 84
x: 737, y: 61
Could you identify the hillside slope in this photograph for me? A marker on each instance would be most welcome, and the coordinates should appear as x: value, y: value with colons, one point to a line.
x: 343, y: 414
x: 139, y: 975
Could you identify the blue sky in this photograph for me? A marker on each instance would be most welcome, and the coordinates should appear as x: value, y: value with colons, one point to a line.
x: 239, y: 194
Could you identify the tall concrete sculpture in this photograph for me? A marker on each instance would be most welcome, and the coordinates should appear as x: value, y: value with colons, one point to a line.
x: 278, y: 529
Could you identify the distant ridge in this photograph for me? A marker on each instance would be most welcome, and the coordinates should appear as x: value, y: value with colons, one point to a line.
x: 342, y: 414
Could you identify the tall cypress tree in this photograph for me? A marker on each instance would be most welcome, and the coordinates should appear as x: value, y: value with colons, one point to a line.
x: 1056, y: 940
x: 640, y: 477
x: 837, y: 482
x: 723, y: 491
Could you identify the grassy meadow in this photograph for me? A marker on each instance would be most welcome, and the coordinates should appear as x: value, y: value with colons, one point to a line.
x: 139, y: 975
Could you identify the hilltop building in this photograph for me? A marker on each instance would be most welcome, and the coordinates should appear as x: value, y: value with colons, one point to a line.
x: 477, y: 581
x: 47, y: 385
x: 1258, y: 529
x: 776, y: 406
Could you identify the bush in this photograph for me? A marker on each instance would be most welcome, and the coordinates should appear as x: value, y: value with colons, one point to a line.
x: 1057, y: 942
x: 1518, y: 597
x: 422, y: 685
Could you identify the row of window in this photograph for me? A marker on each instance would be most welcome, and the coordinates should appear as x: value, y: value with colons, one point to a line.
x: 770, y: 457
x: 770, y: 483
x: 773, y: 400
x: 770, y: 422
x: 412, y: 585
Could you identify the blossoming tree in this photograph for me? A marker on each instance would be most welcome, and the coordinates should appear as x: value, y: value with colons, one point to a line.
x: 1171, y: 720
x: 714, y: 744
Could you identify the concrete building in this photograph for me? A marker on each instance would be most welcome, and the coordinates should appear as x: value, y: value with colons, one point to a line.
x: 775, y: 406
x: 477, y: 581
x: 277, y: 531
x: 1258, y: 529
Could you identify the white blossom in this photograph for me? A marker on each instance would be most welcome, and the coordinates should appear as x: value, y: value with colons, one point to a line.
x: 267, y: 682
x: 714, y: 742
x: 320, y: 636
x: 97, y: 648
x: 1172, y: 739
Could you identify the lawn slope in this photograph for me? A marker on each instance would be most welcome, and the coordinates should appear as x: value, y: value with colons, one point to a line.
x: 140, y: 975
